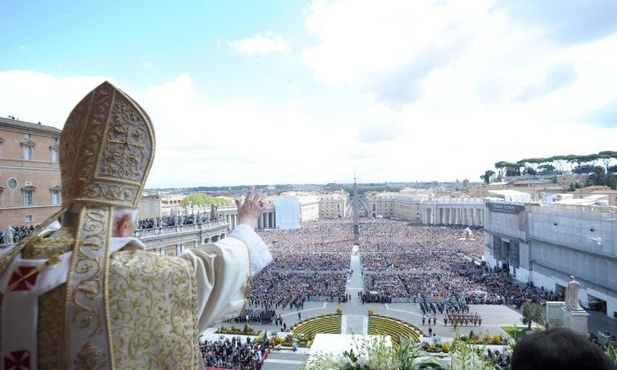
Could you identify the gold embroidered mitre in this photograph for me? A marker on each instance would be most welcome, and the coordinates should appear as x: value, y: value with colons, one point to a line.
x: 106, y: 150
x: 117, y: 309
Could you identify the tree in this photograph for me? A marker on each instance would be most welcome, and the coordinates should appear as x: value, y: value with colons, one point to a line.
x: 501, y: 167
x: 607, y: 156
x: 584, y: 169
x: 530, y: 171
x: 203, y: 200
x: 546, y: 169
x: 597, y: 176
x: 530, y: 165
x: 513, y: 170
x: 508, y: 168
x: 611, y: 181
x: 532, y: 312
x: 560, y: 161
x: 487, y: 176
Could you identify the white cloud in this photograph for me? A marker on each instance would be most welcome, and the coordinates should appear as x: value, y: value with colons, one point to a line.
x: 403, y: 90
x: 468, y: 83
x: 260, y: 44
x: 390, y: 48
x: 204, y: 141
x: 39, y: 97
x: 380, y: 124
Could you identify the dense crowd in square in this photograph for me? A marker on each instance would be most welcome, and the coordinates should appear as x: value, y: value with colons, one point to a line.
x: 400, y: 260
x: 439, y: 266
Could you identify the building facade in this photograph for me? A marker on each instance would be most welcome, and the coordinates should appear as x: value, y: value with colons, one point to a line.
x: 425, y: 209
x: 380, y: 204
x: 170, y: 203
x: 150, y: 206
x: 29, y: 173
x: 333, y: 205
x: 545, y: 244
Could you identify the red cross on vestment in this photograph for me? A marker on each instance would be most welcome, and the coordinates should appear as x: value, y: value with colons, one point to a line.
x: 25, y: 283
x: 18, y: 360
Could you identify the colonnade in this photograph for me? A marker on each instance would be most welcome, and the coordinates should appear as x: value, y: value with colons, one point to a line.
x: 454, y: 214
x: 267, y: 220
x: 173, y: 240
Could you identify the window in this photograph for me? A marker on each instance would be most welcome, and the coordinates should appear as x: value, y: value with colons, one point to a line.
x: 54, y: 154
x: 28, y: 218
x: 27, y: 152
x: 146, y: 208
x: 28, y: 197
x: 11, y: 183
x: 55, y: 196
x: 27, y: 148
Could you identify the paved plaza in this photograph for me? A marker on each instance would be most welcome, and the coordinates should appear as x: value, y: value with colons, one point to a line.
x: 355, y: 318
x: 493, y: 318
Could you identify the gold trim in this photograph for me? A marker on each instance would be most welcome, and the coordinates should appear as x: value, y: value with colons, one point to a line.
x: 90, y: 357
x: 106, y: 308
x: 6, y: 259
x: 109, y: 142
x: 86, y: 308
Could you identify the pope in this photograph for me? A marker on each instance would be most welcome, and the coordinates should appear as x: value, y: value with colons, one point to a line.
x: 82, y: 292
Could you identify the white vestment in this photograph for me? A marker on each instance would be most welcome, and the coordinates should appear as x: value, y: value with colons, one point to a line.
x: 158, y: 305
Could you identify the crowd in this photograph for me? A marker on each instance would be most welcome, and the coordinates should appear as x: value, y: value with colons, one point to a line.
x: 399, y: 260
x: 14, y: 234
x: 175, y: 220
x: 256, y: 315
x: 501, y: 358
x: 312, y: 262
x: 435, y: 263
x: 281, y: 290
x: 440, y: 268
x: 233, y: 353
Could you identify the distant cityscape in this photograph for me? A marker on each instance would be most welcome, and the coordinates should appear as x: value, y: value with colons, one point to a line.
x: 281, y: 188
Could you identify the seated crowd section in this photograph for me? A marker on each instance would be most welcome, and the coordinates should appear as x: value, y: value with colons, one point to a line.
x: 232, y: 353
x: 435, y: 266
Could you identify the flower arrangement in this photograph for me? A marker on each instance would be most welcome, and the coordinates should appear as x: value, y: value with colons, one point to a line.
x: 462, y: 353
x: 497, y: 339
x: 246, y: 330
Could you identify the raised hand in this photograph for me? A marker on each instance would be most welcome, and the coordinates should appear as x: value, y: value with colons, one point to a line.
x: 251, y: 208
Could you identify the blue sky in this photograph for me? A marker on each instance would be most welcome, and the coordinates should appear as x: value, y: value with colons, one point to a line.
x: 290, y: 91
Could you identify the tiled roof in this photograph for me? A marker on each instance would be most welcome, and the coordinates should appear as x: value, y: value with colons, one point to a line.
x: 9, y: 122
